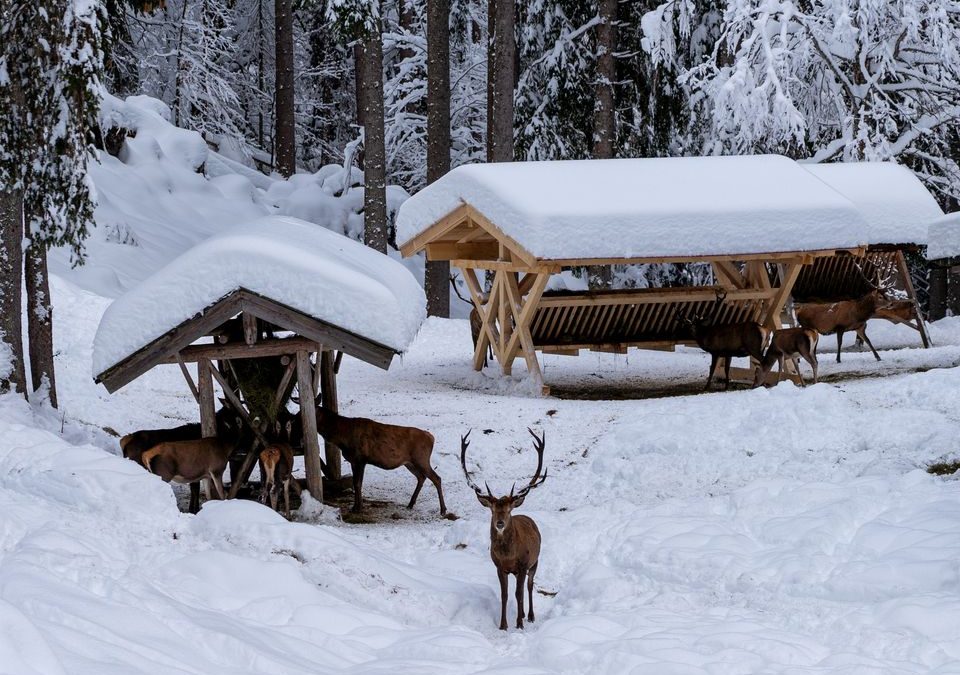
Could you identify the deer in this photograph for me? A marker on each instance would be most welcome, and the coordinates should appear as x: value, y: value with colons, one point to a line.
x: 727, y: 341
x: 789, y: 343
x: 276, y: 470
x: 514, y: 540
x: 385, y: 446
x: 189, y: 461
x: 896, y: 311
x: 842, y: 316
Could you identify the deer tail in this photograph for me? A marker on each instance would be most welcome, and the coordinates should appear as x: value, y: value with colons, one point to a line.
x: 147, y: 457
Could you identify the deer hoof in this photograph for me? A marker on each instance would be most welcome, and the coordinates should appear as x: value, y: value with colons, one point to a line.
x: 519, y: 624
x: 503, y: 626
x: 531, y: 618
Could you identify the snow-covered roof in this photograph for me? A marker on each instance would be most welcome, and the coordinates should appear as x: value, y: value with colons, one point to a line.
x: 631, y: 208
x: 943, y: 238
x: 304, y: 266
x: 893, y: 201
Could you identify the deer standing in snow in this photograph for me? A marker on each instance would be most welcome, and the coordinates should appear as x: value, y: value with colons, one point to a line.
x: 789, y: 343
x: 514, y: 540
x: 276, y: 470
x: 727, y: 341
x: 845, y: 315
x: 386, y: 446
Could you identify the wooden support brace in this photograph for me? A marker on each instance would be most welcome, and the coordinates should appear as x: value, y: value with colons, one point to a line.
x: 912, y: 294
x: 186, y: 376
x: 328, y: 398
x: 250, y: 331
x: 208, y: 411
x: 280, y: 396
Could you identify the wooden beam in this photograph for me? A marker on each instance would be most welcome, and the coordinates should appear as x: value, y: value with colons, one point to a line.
x: 186, y: 376
x: 774, y: 306
x: 435, y: 231
x: 798, y: 257
x: 727, y: 272
x: 912, y: 294
x: 240, y: 350
x: 328, y: 398
x: 523, y: 310
x: 487, y: 337
x: 515, y: 248
x: 308, y: 417
x: 443, y: 250
x: 494, y: 265
x: 250, y: 331
x: 280, y: 397
x: 655, y: 296
x: 208, y: 410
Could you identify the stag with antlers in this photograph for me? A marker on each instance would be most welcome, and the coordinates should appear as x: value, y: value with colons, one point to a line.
x: 514, y: 540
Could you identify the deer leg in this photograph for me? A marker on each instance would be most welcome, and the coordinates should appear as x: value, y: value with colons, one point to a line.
x: 713, y: 366
x: 415, y: 470
x: 839, y: 344
x: 503, y: 599
x: 218, y: 485
x: 862, y: 332
x: 533, y: 570
x: 726, y: 372
x: 812, y: 360
x: 194, y: 497
x: 357, y: 469
x: 521, y: 578
x: 435, y: 479
x: 286, y: 497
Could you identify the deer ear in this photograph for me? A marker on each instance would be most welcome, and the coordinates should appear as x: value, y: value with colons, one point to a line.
x: 517, y: 501
x: 486, y: 500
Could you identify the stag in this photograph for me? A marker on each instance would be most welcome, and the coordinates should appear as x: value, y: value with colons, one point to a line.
x: 842, y: 316
x: 727, y: 341
x: 514, y: 540
x: 789, y: 343
x: 385, y: 446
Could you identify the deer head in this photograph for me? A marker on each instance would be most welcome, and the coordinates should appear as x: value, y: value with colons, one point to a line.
x: 501, y: 508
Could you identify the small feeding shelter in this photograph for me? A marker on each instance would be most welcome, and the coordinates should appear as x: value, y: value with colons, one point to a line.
x: 278, y: 301
x: 943, y: 253
x: 755, y: 220
x: 897, y: 210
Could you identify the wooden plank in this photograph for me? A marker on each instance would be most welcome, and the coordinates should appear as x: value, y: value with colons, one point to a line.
x: 728, y: 275
x: 328, y: 398
x: 560, y: 351
x: 443, y: 250
x: 250, y: 331
x: 168, y: 344
x: 308, y: 417
x: 240, y: 350
x: 798, y: 257
x: 329, y: 335
x: 283, y: 390
x: 516, y: 249
x: 684, y: 294
x: 208, y: 411
x: 510, y: 266
x: 523, y: 310
x: 488, y: 334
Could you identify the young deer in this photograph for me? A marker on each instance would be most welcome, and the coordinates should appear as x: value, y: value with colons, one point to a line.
x: 514, y: 540
x: 386, y: 446
x: 789, y: 343
x: 845, y: 315
x: 276, y: 467
x: 727, y: 341
x: 191, y: 461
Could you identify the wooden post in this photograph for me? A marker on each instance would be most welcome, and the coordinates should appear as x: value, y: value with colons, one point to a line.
x: 328, y: 389
x: 208, y: 411
x: 912, y: 294
x: 308, y: 416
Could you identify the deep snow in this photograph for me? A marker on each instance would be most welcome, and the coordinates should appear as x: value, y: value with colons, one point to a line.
x: 785, y: 530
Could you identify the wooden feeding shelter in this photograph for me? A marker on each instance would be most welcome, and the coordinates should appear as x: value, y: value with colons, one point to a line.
x: 943, y: 254
x: 261, y: 310
x: 897, y: 209
x: 756, y: 221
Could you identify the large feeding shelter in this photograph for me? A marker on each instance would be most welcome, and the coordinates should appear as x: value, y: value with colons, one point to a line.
x: 755, y: 220
x: 897, y: 209
x: 261, y: 309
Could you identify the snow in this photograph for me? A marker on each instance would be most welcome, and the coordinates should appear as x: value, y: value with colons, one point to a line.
x: 776, y: 531
x: 944, y: 237
x: 895, y: 204
x: 325, y: 275
x: 663, y: 207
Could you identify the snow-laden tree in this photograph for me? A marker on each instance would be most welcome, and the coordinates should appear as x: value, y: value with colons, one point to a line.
x: 51, y: 66
x: 837, y: 80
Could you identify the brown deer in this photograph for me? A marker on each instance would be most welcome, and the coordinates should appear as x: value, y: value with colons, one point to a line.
x: 193, y: 460
x: 276, y: 468
x: 727, y: 341
x: 896, y: 311
x: 789, y: 343
x: 385, y: 446
x: 514, y: 540
x: 842, y: 316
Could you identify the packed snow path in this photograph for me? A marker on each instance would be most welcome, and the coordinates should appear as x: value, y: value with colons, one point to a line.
x: 781, y: 530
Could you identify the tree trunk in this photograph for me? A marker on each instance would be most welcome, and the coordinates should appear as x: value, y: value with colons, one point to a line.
x: 437, y: 276
x: 284, y: 114
x: 374, y: 152
x: 937, y: 305
x: 40, y: 320
x: 501, y: 77
x: 599, y: 277
x: 11, y: 280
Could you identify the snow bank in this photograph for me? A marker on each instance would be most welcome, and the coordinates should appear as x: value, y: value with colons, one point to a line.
x: 893, y: 201
x: 166, y: 191
x: 646, y: 207
x: 309, y: 268
x: 944, y: 237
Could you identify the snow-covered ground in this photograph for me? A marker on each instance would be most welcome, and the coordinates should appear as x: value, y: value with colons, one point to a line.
x: 785, y: 530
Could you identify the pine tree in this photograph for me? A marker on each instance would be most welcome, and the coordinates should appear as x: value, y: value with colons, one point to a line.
x: 437, y: 274
x: 51, y: 67
x: 284, y: 110
x: 501, y: 78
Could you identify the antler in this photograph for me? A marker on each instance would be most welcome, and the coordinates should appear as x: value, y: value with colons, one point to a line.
x: 882, y: 283
x: 464, y: 444
x: 537, y: 480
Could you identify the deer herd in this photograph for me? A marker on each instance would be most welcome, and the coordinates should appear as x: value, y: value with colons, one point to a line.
x: 181, y: 455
